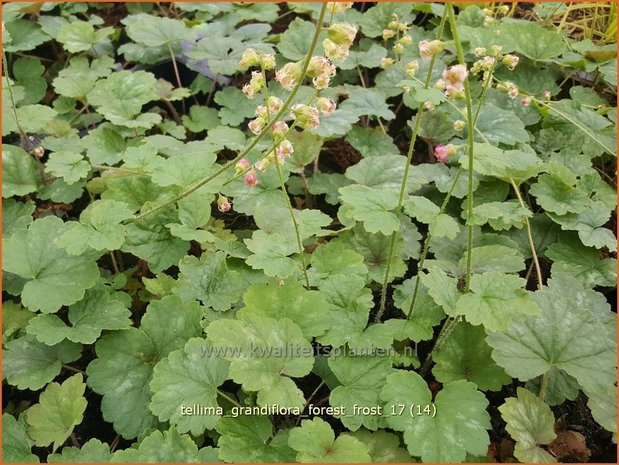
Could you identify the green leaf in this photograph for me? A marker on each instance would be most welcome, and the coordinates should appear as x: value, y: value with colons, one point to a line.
x: 20, y: 174
x: 498, y: 126
x: 334, y: 258
x: 79, y: 78
x: 15, y: 318
x: 54, y: 278
x: 384, y: 172
x: 441, y: 437
x: 589, y: 224
x: 104, y: 145
x: 574, y: 333
x: 315, y: 441
x: 534, y: 41
x: 188, y: 377
x: 250, y: 439
x: 603, y: 407
x: 100, y: 228
x: 80, y: 36
x: 328, y: 184
x: 501, y: 215
x: 264, y: 354
x: 32, y: 118
x: 26, y: 35
x: 152, y: 241
x: 350, y: 303
x: 368, y: 55
x: 338, y: 123
x: 69, y: 166
x: 556, y: 196
x: 28, y: 73
x: 28, y: 364
x: 308, y: 309
x: 465, y: 355
x: 377, y: 18
x: 208, y: 280
x: 16, y: 216
x: 124, y: 367
x: 440, y: 224
x: 276, y: 220
x: 236, y: 107
x: 201, y: 118
x: 369, y: 102
x: 16, y: 444
x: 61, y: 407
x: 307, y: 147
x: 120, y: 98
x: 96, y: 312
x: 362, y: 378
x: 270, y: 252
x: 223, y: 136
x: 375, y: 251
x: 530, y: 423
x: 442, y: 288
x: 93, y: 451
x: 495, y: 299
x: 158, y: 447
x: 372, y: 206
x: 154, y: 31
x: 371, y: 142
x: 570, y: 257
x: 383, y: 447
x: 296, y: 40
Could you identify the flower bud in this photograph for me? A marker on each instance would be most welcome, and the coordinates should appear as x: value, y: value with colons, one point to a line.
x: 241, y: 165
x: 459, y: 124
x: 440, y: 84
x: 428, y: 106
x: 289, y: 74
x: 525, y: 101
x: 412, y: 68
x: 274, y: 104
x: 393, y: 24
x: 279, y: 128
x: 480, y: 51
x: 326, y: 105
x: 488, y: 20
x: 307, y: 117
x: 248, y: 90
x: 503, y: 9
x: 261, y: 112
x: 547, y: 94
x: 249, y: 58
x: 386, y: 62
x: 39, y: 151
x: 402, y: 27
x: 405, y: 40
x: 388, y: 34
x: 510, y: 61
x: 442, y: 152
x: 268, y: 62
x: 342, y: 34
x: 495, y: 50
x: 430, y: 48
x: 251, y: 179
x: 398, y: 48
x: 223, y: 204
x: 262, y: 165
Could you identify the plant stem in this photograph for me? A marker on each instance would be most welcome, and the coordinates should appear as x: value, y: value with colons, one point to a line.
x: 451, y: 323
x: 76, y: 370
x: 228, y: 398
x: 409, y: 157
x: 256, y: 139
x: 13, y: 106
x: 177, y: 75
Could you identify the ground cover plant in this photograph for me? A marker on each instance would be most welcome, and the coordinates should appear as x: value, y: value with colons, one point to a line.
x: 308, y: 232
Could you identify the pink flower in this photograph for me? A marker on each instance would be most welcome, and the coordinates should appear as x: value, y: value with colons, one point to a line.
x: 279, y: 128
x: 321, y: 81
x: 442, y: 152
x: 454, y: 77
x: 223, y: 204
x: 256, y: 125
x: 251, y: 179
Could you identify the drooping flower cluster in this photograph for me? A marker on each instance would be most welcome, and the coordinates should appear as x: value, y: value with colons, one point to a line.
x: 509, y: 87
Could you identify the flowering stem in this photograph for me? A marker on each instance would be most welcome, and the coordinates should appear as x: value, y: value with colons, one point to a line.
x: 256, y: 139
x: 13, y: 106
x: 282, y: 184
x: 451, y: 323
x: 409, y: 156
